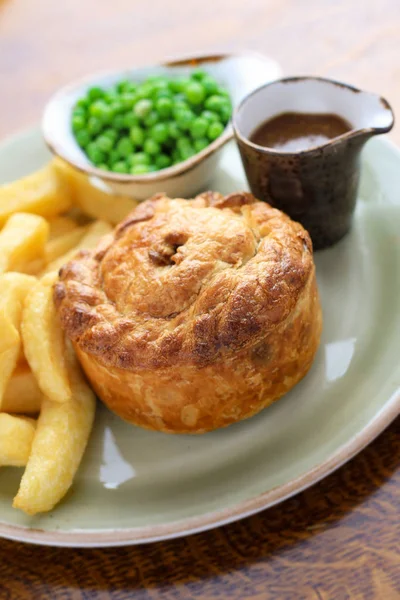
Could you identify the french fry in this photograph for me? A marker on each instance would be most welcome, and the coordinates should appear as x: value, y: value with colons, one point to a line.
x: 16, y: 437
x: 94, y: 232
x: 60, y: 440
x: 22, y: 240
x: 64, y: 243
x: 61, y: 226
x: 43, y: 193
x: 22, y: 394
x: 44, y: 341
x: 13, y: 288
x: 90, y: 199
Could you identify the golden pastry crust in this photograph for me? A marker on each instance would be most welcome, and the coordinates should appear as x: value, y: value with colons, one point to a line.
x: 194, y: 314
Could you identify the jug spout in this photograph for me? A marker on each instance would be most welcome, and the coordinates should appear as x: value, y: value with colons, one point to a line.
x: 368, y: 114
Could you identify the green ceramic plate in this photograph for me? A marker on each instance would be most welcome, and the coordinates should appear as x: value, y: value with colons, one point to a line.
x: 138, y: 486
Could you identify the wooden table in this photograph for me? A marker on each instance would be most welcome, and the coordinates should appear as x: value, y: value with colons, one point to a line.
x: 338, y: 540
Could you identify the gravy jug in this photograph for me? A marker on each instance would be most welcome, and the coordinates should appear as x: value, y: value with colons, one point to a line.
x: 316, y: 186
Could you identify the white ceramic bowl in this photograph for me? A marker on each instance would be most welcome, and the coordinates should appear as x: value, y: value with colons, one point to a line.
x: 238, y: 73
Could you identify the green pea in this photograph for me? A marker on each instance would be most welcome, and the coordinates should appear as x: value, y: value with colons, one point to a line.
x: 128, y: 100
x: 95, y: 93
x: 198, y: 127
x: 151, y: 119
x: 185, y: 148
x: 183, y: 142
x: 162, y: 93
x: 173, y: 130
x: 226, y: 114
x: 122, y: 86
x: 104, y: 143
x: 151, y: 147
x: 120, y: 167
x: 145, y: 90
x: 215, y: 103
x: 163, y: 161
x: 95, y: 154
x: 187, y: 153
x: 113, y: 157
x: 94, y: 125
x: 108, y: 115
x: 164, y: 107
x: 142, y: 108
x: 110, y: 133
x: 140, y: 169
x: 184, y: 119
x: 201, y: 143
x: 181, y: 98
x: 118, y: 122
x: 178, y: 85
x: 138, y: 158
x: 160, y: 85
x: 210, y: 116
x: 78, y: 122
x: 159, y: 132
x: 198, y: 74
x: 83, y: 137
x: 194, y: 92
x: 103, y: 167
x: 82, y: 103
x: 110, y: 96
x: 214, y: 130
x: 78, y: 111
x: 130, y: 120
x: 223, y: 92
x: 99, y: 109
x: 124, y: 147
x: 116, y: 107
x: 210, y: 85
x: 180, y: 105
x: 130, y: 87
x: 136, y: 134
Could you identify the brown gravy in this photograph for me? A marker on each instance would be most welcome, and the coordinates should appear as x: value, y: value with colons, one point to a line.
x: 292, y: 132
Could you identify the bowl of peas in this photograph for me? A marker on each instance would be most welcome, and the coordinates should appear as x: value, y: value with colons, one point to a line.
x: 153, y: 129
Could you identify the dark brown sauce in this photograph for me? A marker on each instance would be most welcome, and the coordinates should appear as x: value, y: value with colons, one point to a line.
x: 291, y: 132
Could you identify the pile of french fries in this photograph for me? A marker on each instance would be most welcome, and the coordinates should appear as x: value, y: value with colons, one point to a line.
x: 46, y: 407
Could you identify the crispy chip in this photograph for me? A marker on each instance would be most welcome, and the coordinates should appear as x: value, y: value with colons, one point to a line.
x: 61, y: 437
x: 44, y: 341
x: 43, y: 193
x: 13, y: 288
x: 16, y: 437
x: 22, y: 240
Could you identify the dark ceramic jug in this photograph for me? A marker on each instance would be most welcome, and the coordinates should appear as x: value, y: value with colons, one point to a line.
x: 317, y: 186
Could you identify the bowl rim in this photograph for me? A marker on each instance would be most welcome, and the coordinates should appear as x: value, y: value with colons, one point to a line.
x: 352, y: 133
x: 185, y: 166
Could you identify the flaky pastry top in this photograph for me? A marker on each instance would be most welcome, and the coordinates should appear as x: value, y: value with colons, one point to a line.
x: 185, y: 281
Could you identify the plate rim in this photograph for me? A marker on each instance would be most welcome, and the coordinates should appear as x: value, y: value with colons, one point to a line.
x: 79, y: 538
x: 155, y: 533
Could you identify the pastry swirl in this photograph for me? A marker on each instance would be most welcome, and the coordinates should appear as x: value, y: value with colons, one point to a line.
x: 194, y: 314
